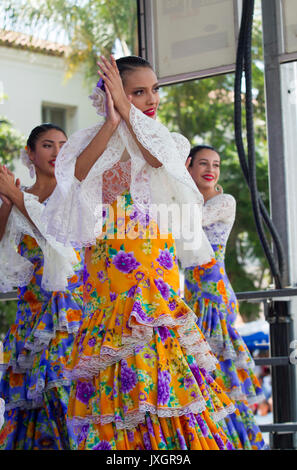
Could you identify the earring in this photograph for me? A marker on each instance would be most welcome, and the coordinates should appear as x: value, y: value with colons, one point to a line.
x: 32, y: 170
x: 219, y: 189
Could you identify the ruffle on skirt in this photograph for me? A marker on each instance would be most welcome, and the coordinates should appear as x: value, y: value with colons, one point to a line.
x: 37, y: 347
x: 141, y: 356
x: 236, y: 373
x: 44, y: 428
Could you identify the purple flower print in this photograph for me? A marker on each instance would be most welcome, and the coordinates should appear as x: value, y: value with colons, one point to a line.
x: 128, y: 378
x: 83, y: 433
x: 197, y: 374
x: 163, y: 288
x: 164, y: 333
x: 137, y: 308
x: 89, y: 287
x: 92, y: 342
x: 202, y: 426
x: 131, y: 292
x: 81, y: 340
x: 130, y: 436
x: 192, y: 420
x: 139, y: 276
x: 188, y: 382
x: 165, y: 259
x: 100, y: 275
x: 160, y: 272
x: 172, y: 305
x: 113, y: 296
x: 147, y: 441
x: 86, y: 275
x: 219, y: 441
x: 125, y: 262
x: 182, y: 442
x: 163, y: 387
x: 103, y: 445
x: 132, y: 216
x: 150, y: 427
x: 84, y: 391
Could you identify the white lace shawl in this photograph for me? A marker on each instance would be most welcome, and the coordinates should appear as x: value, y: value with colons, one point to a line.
x: 16, y: 270
x: 73, y: 214
x: 2, y: 411
x: 218, y: 218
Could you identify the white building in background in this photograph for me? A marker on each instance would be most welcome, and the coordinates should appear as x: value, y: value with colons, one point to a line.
x: 32, y: 80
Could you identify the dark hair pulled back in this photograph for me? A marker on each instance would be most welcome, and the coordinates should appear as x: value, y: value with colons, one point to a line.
x: 197, y: 149
x: 130, y: 63
x: 39, y: 130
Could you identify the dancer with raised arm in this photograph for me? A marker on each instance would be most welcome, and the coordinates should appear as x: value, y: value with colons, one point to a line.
x: 209, y: 293
x: 140, y: 364
x: 49, y: 280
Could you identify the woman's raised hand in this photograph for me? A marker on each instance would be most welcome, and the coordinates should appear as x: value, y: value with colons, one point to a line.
x: 113, y: 116
x: 7, y: 183
x: 113, y: 83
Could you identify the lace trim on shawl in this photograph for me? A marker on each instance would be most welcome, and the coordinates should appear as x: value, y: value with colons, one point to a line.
x: 218, y: 217
x: 194, y: 344
x: 17, y: 270
x: 132, y: 419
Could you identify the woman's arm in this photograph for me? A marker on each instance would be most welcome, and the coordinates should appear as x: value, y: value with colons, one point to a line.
x: 114, y: 86
x: 12, y: 192
x: 96, y: 147
x: 93, y: 151
x: 5, y: 210
x: 6, y: 206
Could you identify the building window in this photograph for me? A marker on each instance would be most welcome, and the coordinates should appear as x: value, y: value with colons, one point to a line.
x: 54, y: 115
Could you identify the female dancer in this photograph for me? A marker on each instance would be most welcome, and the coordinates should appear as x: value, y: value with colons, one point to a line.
x: 209, y: 293
x: 36, y: 347
x: 140, y: 363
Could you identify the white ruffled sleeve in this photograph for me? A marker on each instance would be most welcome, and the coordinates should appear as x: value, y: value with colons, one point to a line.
x: 15, y: 269
x: 73, y: 215
x: 220, y: 208
x: 170, y: 186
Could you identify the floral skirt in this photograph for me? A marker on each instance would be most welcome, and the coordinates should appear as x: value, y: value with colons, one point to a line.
x: 35, y: 350
x: 209, y: 293
x: 140, y: 365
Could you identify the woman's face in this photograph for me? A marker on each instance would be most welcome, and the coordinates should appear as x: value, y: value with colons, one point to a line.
x: 141, y: 86
x: 46, y: 150
x: 205, y: 170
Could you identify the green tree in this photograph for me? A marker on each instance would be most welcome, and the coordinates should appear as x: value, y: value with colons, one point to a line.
x: 91, y: 27
x: 7, y: 316
x: 11, y: 142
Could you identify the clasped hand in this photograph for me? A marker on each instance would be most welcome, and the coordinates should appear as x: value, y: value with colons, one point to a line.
x: 118, y: 104
x: 7, y: 184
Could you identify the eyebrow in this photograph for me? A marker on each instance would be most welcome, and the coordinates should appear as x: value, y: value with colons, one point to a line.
x: 140, y: 87
x: 205, y: 160
x: 52, y: 141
